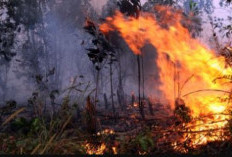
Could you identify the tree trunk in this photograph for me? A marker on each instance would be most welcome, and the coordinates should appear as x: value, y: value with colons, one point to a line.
x: 119, y: 99
x: 91, y: 121
x: 106, y: 102
x: 111, y: 88
x: 139, y: 89
x: 150, y: 107
x: 5, y: 90
x: 96, y: 93
x: 143, y: 79
x: 132, y: 100
x: 120, y: 91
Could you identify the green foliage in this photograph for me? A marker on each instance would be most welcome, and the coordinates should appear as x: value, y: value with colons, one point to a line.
x: 193, y: 6
x: 102, y: 48
x: 27, y: 127
x: 145, y: 141
x: 27, y: 144
x: 182, y: 112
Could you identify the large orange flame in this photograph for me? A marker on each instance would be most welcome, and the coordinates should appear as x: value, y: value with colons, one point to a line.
x: 187, y: 68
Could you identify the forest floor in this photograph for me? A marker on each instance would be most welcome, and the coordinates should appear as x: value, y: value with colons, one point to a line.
x: 68, y: 132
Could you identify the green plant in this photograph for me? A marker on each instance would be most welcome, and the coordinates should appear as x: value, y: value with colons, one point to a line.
x: 141, y: 143
x: 145, y: 141
x: 25, y: 126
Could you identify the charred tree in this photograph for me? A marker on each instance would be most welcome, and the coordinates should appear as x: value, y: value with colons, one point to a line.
x: 97, y: 55
x: 120, y: 99
x: 52, y: 98
x: 97, y: 85
x: 111, y: 82
x: 141, y: 103
x: 120, y: 90
x: 150, y: 107
x: 106, y: 102
x: 132, y: 8
x: 91, y: 121
x: 143, y: 76
x: 103, y: 51
x: 182, y: 112
x: 132, y: 99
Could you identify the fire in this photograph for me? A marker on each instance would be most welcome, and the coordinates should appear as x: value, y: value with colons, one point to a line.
x: 106, y: 132
x: 187, y: 68
x: 135, y: 104
x: 93, y: 150
x: 114, y: 150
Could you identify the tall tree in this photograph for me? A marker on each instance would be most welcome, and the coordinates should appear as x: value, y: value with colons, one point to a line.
x: 133, y: 8
x: 16, y: 16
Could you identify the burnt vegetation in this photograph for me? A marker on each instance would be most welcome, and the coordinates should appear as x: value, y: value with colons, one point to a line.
x: 95, y: 114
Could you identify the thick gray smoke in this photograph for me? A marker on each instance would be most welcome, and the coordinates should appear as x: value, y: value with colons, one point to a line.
x: 65, y: 52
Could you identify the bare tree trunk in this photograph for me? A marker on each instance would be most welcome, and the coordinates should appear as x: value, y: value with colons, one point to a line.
x: 106, y: 102
x: 132, y: 100
x: 119, y: 99
x: 96, y: 93
x: 143, y: 102
x: 174, y: 80
x: 42, y: 7
x: 78, y: 113
x: 143, y: 79
x: 111, y: 88
x: 120, y: 91
x: 5, y: 90
x: 139, y: 89
x: 91, y: 121
x: 150, y: 107
x: 120, y: 94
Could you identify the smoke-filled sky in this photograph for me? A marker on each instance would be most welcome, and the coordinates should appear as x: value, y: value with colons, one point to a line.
x: 98, y: 4
x: 220, y: 12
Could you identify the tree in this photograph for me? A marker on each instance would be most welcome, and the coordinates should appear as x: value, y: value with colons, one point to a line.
x: 8, y: 29
x: 17, y: 15
x: 222, y: 25
x: 109, y: 10
x: 132, y: 8
x: 149, y: 5
x: 99, y: 54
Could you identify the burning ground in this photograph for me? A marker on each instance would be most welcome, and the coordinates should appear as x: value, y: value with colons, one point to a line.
x: 189, y: 114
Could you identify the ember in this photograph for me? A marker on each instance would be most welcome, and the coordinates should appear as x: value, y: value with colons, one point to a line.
x: 106, y: 132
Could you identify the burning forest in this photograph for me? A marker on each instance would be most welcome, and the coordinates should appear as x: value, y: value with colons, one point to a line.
x: 125, y: 77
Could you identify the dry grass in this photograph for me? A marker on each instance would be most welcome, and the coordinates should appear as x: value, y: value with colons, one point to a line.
x: 12, y: 116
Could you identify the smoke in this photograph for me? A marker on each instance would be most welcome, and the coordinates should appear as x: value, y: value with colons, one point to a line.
x: 66, y: 52
x: 98, y: 5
